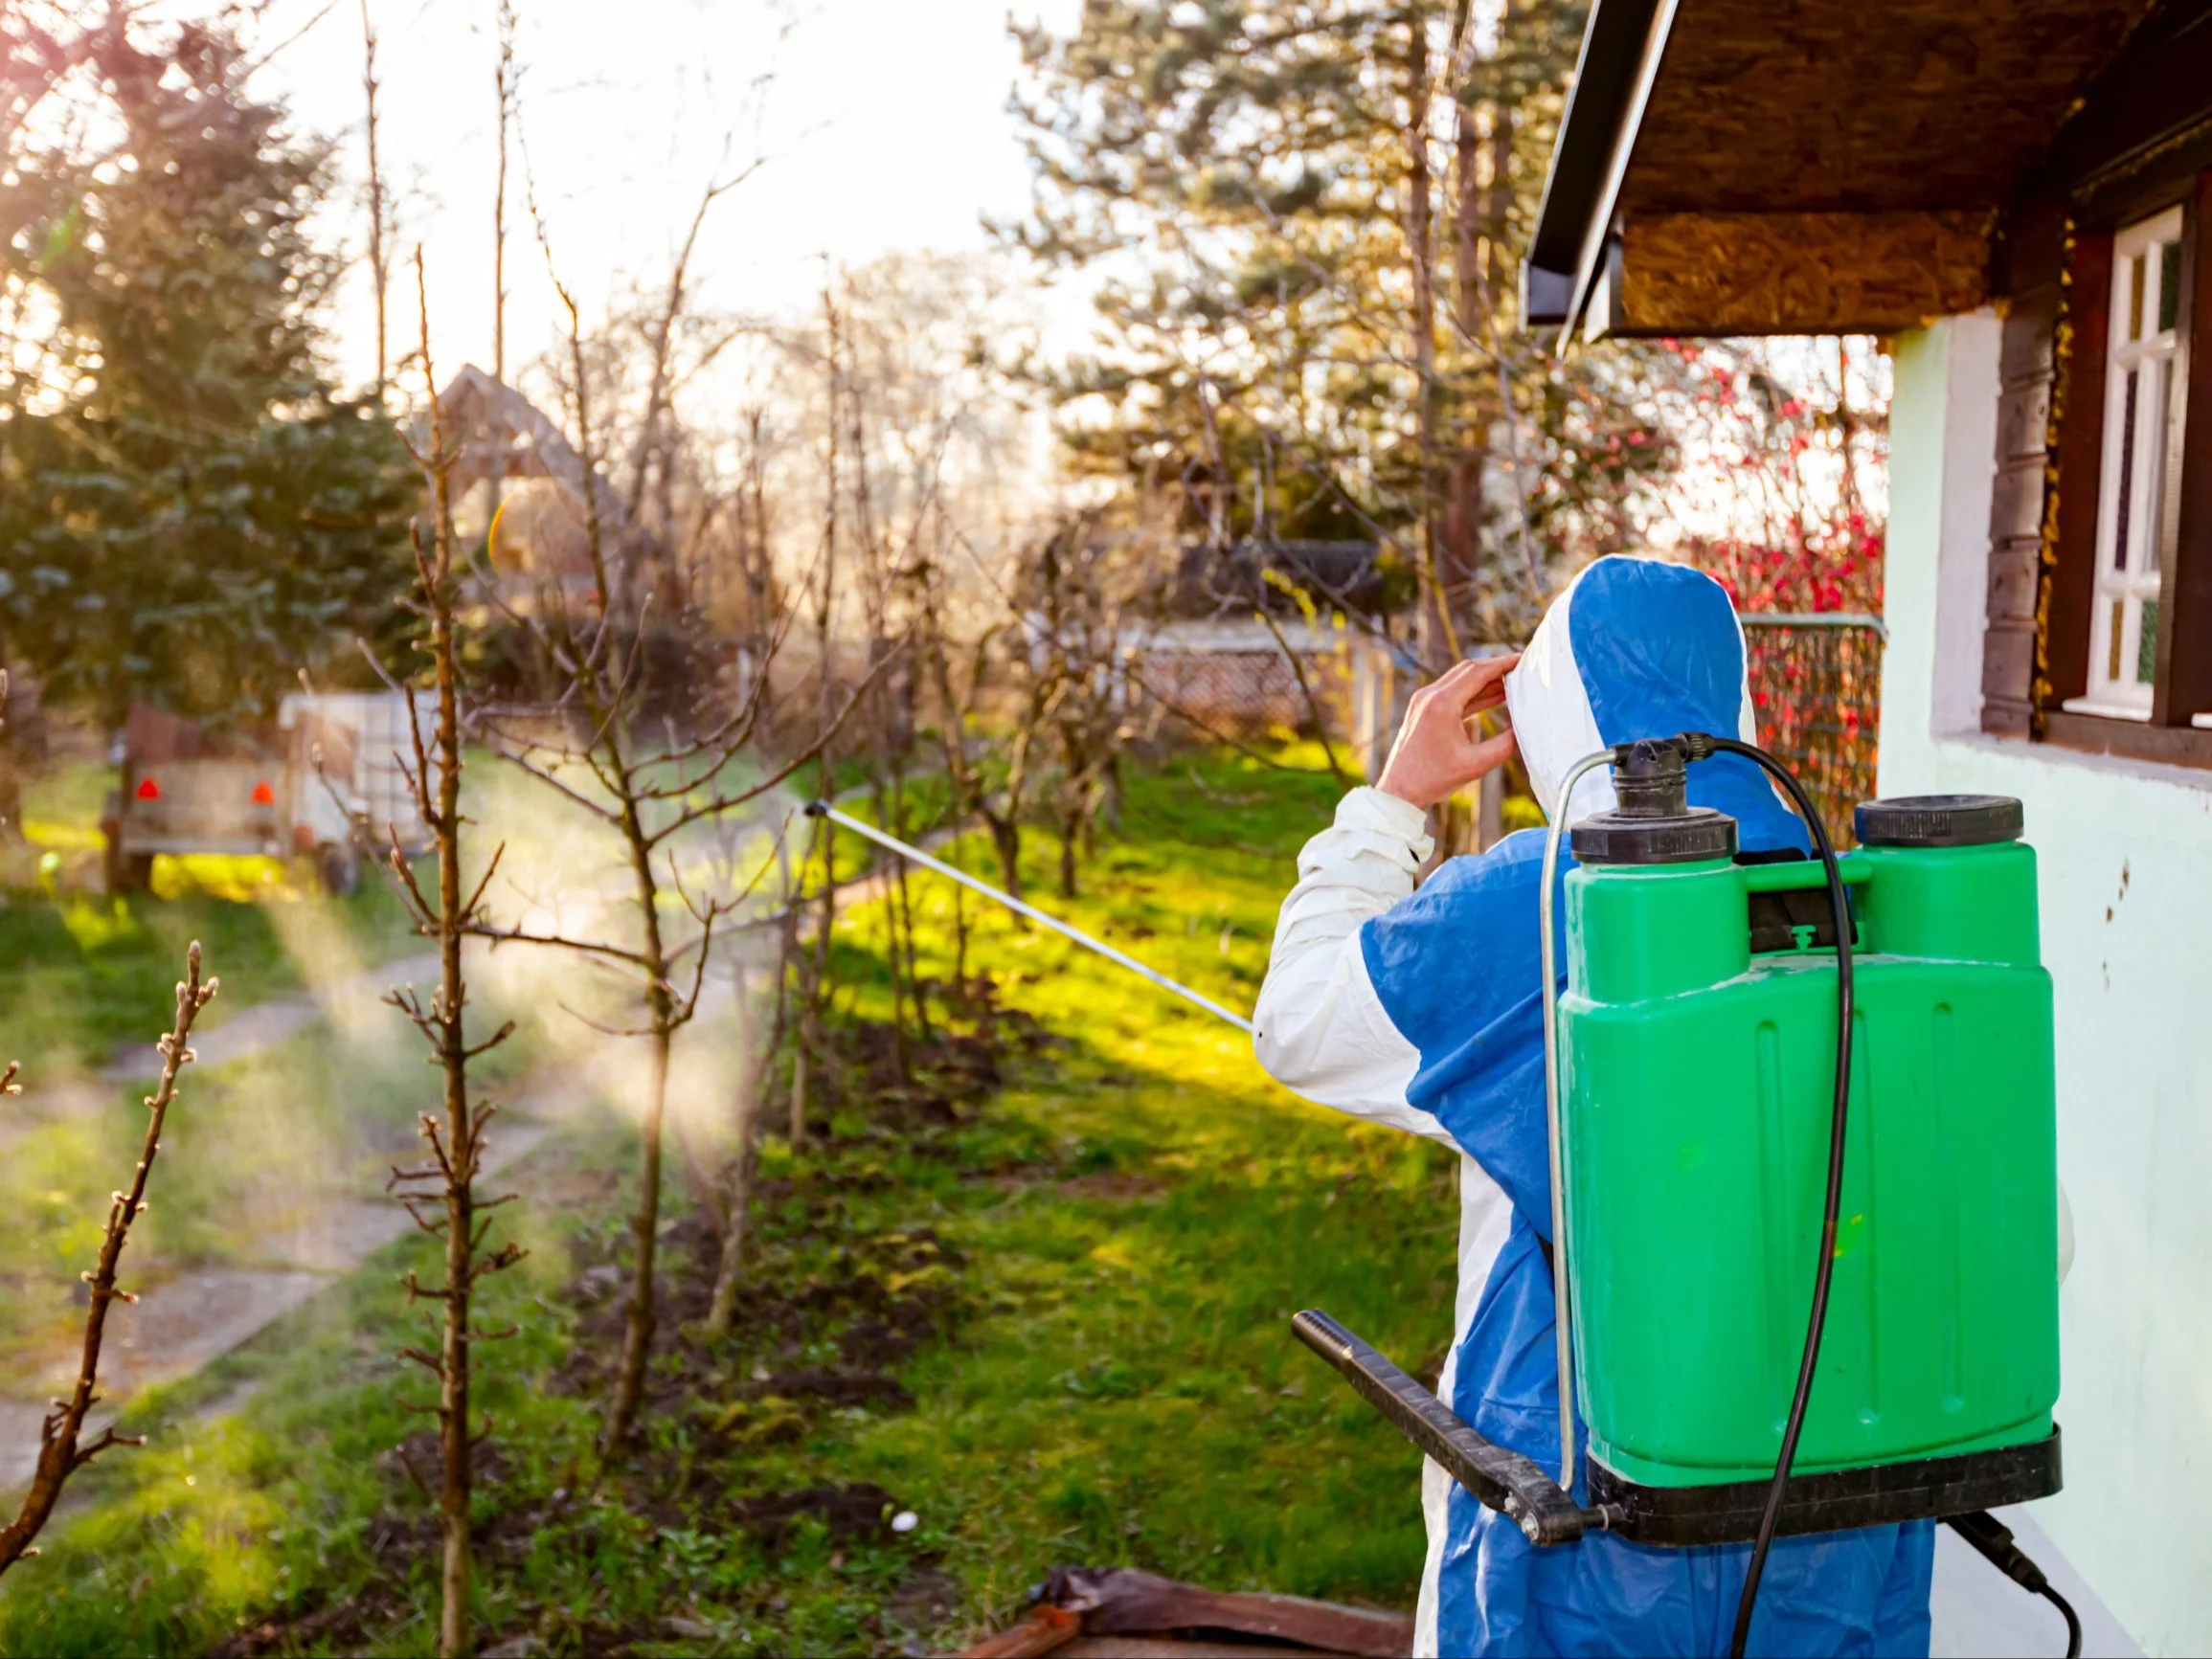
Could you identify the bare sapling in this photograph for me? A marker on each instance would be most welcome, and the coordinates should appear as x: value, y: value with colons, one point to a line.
x: 503, y: 80
x: 885, y: 574
x: 1042, y: 688
x: 814, y: 966
x: 757, y: 1055
x: 456, y: 1139
x: 1054, y: 644
x: 652, y: 792
x: 957, y: 698
x: 379, y: 242
x: 62, y: 1450
x: 1080, y: 599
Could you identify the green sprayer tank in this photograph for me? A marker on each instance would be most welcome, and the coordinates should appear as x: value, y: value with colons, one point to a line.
x: 1698, y: 1035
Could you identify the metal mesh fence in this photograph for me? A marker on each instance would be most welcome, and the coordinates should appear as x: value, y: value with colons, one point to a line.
x: 1245, y: 692
x: 1816, y: 697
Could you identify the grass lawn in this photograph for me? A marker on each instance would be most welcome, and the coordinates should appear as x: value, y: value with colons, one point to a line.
x: 81, y: 973
x: 264, y: 1144
x: 276, y: 1143
x: 1040, y: 1298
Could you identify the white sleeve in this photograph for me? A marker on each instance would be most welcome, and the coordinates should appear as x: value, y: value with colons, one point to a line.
x: 1320, y: 1029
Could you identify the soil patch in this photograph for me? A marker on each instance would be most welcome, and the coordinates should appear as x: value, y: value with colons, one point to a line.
x: 857, y: 1513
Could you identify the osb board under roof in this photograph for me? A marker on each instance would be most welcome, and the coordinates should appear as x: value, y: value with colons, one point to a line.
x: 1856, y: 105
x: 1799, y: 273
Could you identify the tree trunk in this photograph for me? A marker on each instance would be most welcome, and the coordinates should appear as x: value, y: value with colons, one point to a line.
x: 797, y: 1130
x: 1438, y: 641
x: 737, y: 1176
x: 639, y: 1315
x: 1471, y: 248
x: 813, y: 982
x: 1006, y: 843
x: 729, y: 1261
x: 960, y: 929
x: 445, y: 1024
x: 504, y: 81
x: 914, y: 981
x: 379, y: 255
x: 454, y: 1635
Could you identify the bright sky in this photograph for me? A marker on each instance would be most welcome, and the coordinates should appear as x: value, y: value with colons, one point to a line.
x: 883, y: 124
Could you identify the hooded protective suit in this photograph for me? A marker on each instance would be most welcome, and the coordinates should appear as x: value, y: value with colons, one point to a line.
x: 1421, y: 1010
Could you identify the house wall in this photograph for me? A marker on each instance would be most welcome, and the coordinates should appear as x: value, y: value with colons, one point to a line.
x: 2125, y: 854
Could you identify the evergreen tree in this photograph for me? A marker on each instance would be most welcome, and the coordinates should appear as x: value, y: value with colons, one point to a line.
x: 190, y: 513
x: 1308, y: 215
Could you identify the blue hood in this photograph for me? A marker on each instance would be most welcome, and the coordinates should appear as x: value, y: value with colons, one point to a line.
x: 1639, y: 648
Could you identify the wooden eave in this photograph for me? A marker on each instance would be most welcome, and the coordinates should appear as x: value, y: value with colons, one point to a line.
x: 1739, y: 167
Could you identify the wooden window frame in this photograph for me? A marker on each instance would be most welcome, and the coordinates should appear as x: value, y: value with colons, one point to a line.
x: 2139, y: 494
x: 2182, y: 686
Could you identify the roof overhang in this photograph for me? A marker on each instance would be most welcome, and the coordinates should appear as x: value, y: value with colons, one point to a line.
x: 1730, y: 166
x: 1621, y: 52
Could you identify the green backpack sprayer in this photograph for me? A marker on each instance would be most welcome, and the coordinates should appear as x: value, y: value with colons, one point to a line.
x: 1861, y: 1326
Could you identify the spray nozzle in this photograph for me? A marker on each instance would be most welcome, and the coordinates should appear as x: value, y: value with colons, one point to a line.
x: 1648, y: 775
x: 1648, y: 778
x: 1646, y: 753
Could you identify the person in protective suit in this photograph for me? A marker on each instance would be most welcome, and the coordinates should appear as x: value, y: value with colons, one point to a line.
x: 1421, y: 1009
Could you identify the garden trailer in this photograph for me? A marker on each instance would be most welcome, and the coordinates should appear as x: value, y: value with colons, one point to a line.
x: 328, y: 784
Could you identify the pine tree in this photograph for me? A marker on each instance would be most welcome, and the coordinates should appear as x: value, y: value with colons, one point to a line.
x: 190, y: 512
x: 1309, y: 216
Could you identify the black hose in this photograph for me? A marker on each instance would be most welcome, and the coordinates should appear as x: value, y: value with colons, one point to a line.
x: 1697, y: 745
x: 2073, y: 1620
x: 1994, y: 1541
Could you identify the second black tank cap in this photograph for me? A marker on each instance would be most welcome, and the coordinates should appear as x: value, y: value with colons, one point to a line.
x: 1939, y: 821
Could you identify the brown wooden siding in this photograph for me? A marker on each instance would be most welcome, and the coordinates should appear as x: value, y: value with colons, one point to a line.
x: 2185, y: 611
x: 2067, y: 584
x: 2016, y: 517
x: 2030, y: 264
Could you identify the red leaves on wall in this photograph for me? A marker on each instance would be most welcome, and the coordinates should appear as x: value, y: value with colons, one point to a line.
x: 1831, y: 567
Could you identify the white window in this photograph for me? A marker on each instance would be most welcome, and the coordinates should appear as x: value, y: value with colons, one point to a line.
x: 2137, y: 510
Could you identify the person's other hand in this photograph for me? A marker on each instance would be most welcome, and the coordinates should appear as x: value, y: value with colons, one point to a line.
x: 1434, y: 756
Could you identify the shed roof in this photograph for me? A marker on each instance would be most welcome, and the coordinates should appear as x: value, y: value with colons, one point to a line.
x: 1734, y: 166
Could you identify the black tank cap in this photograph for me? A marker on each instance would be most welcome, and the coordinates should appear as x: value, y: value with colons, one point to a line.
x: 1654, y: 822
x: 1613, y: 837
x: 1939, y: 821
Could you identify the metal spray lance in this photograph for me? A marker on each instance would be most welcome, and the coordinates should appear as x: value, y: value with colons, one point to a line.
x: 822, y: 809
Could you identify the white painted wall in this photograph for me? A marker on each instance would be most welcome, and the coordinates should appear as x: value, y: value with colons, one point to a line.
x: 2125, y: 853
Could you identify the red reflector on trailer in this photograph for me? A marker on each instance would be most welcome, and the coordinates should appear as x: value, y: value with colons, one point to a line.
x: 263, y: 795
x: 148, y: 789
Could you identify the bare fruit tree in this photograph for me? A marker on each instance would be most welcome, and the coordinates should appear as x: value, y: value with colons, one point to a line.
x: 62, y: 1450
x: 455, y: 1140
x: 655, y: 744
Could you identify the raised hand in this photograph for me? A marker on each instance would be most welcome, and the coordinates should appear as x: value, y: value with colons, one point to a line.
x: 1434, y: 755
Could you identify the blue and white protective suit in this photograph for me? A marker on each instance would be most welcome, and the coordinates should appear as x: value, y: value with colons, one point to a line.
x: 1421, y: 1010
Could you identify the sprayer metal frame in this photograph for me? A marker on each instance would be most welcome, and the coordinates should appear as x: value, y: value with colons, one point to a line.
x: 1562, y: 1322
